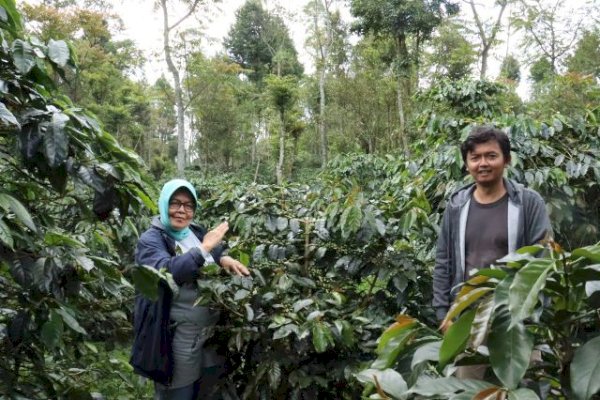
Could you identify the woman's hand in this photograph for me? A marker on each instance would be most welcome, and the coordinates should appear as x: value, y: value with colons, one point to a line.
x: 214, y: 237
x: 233, y: 266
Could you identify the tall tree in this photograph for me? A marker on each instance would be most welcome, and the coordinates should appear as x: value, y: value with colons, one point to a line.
x: 260, y: 43
x: 510, y: 69
x: 321, y: 40
x: 283, y: 93
x: 586, y: 58
x: 168, y: 29
x: 451, y: 56
x: 487, y: 31
x: 402, y: 19
x: 551, y: 27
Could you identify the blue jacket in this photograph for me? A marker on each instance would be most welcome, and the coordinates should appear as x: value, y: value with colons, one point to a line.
x: 151, y: 352
x: 528, y: 223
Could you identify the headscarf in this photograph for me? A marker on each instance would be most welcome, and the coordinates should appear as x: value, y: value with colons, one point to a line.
x: 163, y: 206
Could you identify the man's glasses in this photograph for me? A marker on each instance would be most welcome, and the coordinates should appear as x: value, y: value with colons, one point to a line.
x: 174, y: 205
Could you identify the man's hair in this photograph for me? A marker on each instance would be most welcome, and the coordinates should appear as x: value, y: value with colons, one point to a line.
x: 483, y: 134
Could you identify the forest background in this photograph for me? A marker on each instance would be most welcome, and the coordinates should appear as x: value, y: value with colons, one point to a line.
x: 333, y: 182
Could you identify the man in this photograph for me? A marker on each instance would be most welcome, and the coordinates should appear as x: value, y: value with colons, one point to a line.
x: 484, y: 220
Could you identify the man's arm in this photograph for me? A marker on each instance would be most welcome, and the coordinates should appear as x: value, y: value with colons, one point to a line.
x: 441, y: 272
x: 536, y: 218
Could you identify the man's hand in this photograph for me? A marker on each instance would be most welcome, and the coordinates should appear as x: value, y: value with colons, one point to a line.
x: 214, y: 237
x: 233, y: 266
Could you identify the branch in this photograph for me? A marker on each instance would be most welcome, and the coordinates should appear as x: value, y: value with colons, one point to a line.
x: 190, y: 11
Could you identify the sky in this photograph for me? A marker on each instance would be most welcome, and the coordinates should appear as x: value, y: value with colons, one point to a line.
x: 144, y: 25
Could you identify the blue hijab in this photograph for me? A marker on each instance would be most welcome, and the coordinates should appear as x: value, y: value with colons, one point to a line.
x: 163, y: 206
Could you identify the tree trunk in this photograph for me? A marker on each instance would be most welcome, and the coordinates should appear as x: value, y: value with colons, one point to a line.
x: 402, y: 55
x: 322, y: 130
x: 279, y: 169
x: 178, y: 94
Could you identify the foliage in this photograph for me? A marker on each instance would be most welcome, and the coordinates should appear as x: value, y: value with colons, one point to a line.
x: 62, y: 286
x: 547, y: 303
x: 586, y: 58
x: 260, y: 42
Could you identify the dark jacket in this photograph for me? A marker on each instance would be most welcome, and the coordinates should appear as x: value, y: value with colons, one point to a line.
x: 151, y: 353
x: 528, y: 223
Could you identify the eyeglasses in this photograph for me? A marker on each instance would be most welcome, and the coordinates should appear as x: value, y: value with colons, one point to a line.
x: 176, y: 205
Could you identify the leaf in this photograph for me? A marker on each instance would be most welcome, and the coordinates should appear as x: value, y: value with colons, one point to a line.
x: 282, y: 223
x: 350, y: 220
x: 492, y: 393
x: 585, y: 370
x: 5, y: 235
x: 446, y: 387
x: 56, y: 140
x: 145, y: 280
x: 403, y: 322
x: 10, y: 203
x: 58, y: 51
x: 285, y: 331
x: 522, y: 394
x: 428, y: 352
x: 23, y: 56
x: 52, y: 238
x: 274, y: 375
x: 321, y: 337
x: 510, y: 348
x: 300, y: 304
x: 70, y: 320
x: 455, y: 339
x: 390, y: 381
x: 52, y: 330
x: 8, y: 117
x: 465, y: 301
x: 592, y: 253
x: 85, y: 262
x: 523, y: 292
x: 479, y: 328
x: 394, y: 343
x: 249, y: 312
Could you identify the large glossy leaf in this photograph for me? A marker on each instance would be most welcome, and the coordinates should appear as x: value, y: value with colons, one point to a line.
x: 403, y: 323
x: 145, y: 280
x: 393, y: 341
x: 23, y: 56
x: 5, y: 235
x: 510, y: 348
x: 585, y: 370
x: 58, y: 51
x: 501, y: 292
x: 52, y: 330
x: 492, y: 393
x: 446, y: 387
x: 70, y: 320
x: 522, y: 394
x: 56, y: 140
x: 6, y: 117
x: 480, y: 325
x: 322, y: 337
x: 455, y: 339
x: 390, y: 381
x: 465, y: 301
x: 592, y: 253
x: 7, y: 202
x: 11, y: 16
x: 350, y: 220
x: 427, y: 352
x: 524, y: 290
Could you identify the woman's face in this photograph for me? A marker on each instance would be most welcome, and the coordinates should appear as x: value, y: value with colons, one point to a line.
x: 181, y: 209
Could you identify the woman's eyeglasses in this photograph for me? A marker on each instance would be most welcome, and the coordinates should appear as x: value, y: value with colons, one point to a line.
x: 176, y: 205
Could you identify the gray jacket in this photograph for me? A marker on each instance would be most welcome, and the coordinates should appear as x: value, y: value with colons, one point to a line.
x: 528, y: 223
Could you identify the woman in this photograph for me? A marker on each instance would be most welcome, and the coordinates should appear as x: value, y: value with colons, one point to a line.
x: 182, y: 248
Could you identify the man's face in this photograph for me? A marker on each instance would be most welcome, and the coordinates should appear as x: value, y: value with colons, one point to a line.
x: 486, y: 163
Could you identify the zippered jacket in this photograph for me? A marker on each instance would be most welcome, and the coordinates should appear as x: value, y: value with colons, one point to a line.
x: 528, y: 223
